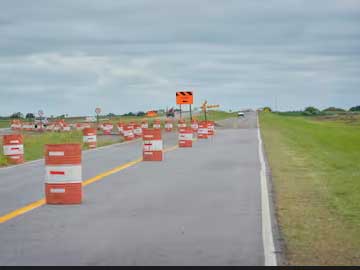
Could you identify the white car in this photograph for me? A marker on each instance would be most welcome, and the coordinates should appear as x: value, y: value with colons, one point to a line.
x: 241, y: 114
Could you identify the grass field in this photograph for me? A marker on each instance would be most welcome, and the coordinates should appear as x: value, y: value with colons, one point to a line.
x: 34, y: 143
x: 315, y: 165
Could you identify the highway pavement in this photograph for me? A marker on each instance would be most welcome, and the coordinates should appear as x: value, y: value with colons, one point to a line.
x: 200, y: 206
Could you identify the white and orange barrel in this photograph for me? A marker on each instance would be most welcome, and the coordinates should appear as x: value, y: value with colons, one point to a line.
x: 137, y: 131
x: 13, y: 147
x: 211, y: 128
x: 152, y: 145
x: 168, y: 125
x: 27, y: 126
x: 181, y: 123
x: 144, y: 124
x: 157, y: 124
x: 81, y: 126
x: 65, y: 127
x: 203, y: 130
x: 194, y: 125
x: 107, y: 128
x: 57, y: 127
x: 63, y: 174
x: 185, y: 137
x: 128, y: 133
x: 120, y: 127
x: 89, y: 137
x: 132, y: 125
x: 15, y: 124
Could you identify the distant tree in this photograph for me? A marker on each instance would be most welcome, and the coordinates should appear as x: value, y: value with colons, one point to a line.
x: 267, y: 109
x: 111, y: 115
x: 333, y: 109
x: 140, y: 113
x: 311, y: 111
x: 17, y: 115
x: 61, y: 116
x: 355, y: 109
x: 129, y: 114
x: 30, y: 116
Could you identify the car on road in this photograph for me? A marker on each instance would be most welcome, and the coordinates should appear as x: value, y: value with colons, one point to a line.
x: 241, y: 114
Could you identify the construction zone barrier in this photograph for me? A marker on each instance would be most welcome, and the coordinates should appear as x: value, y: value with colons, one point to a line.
x: 128, y: 133
x: 144, y: 124
x: 120, y: 127
x: 137, y: 131
x: 194, y: 125
x: 157, y: 124
x: 181, y: 123
x: 81, y: 126
x: 152, y: 145
x: 211, y: 128
x: 66, y: 127
x: 63, y: 174
x: 168, y: 125
x: 203, y: 130
x: 13, y: 147
x: 89, y: 137
x: 27, y: 126
x: 15, y: 124
x: 132, y: 125
x: 107, y: 128
x: 185, y: 137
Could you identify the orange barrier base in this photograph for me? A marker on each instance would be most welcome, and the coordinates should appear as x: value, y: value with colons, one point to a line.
x: 65, y: 193
x: 128, y: 138
x: 152, y: 155
x: 16, y: 159
x: 202, y: 136
x: 185, y: 143
x: 168, y: 129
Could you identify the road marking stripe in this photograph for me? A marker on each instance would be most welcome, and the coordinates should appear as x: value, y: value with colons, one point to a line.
x: 37, y: 204
x: 267, y: 234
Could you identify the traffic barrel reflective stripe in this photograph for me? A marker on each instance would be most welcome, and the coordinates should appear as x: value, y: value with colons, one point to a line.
x: 144, y: 124
x: 168, y: 125
x: 13, y: 148
x: 89, y: 137
x: 152, y: 145
x: 185, y: 137
x: 128, y: 133
x: 203, y: 130
x: 28, y: 126
x: 120, y: 126
x: 63, y: 174
x: 107, y: 128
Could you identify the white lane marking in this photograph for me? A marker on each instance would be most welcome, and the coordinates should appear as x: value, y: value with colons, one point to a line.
x: 268, y: 239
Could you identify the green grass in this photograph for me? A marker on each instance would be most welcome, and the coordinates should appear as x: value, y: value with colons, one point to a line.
x: 4, y: 123
x: 315, y: 168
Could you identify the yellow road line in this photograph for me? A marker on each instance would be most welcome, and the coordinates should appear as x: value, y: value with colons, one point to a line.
x: 37, y: 204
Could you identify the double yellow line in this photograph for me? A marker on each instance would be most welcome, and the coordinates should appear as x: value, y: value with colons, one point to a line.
x: 94, y: 179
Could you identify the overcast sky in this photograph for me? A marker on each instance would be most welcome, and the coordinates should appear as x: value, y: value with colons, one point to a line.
x: 125, y: 55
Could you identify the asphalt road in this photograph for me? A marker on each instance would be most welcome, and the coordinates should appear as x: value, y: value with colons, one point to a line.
x: 200, y: 206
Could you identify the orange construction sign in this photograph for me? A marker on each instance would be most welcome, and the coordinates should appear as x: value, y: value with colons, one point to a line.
x: 184, y: 97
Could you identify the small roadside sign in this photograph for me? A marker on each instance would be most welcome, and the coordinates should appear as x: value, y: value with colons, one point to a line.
x: 98, y: 110
x: 185, y: 97
x: 40, y: 113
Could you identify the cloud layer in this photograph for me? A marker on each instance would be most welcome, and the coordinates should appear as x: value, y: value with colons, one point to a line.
x: 71, y: 56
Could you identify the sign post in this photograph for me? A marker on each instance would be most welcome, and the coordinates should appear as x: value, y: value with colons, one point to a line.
x: 185, y: 97
x: 97, y: 111
x: 41, y: 114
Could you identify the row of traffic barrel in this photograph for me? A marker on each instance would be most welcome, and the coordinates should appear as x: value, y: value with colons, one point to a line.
x: 63, y: 162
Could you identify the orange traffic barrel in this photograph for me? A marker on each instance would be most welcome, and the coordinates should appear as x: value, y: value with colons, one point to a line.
x: 128, y: 133
x: 194, y: 125
x: 65, y: 127
x: 27, y: 126
x: 203, y: 130
x: 157, y: 124
x: 63, y: 174
x: 211, y: 128
x: 89, y: 137
x: 168, y: 125
x: 137, y: 131
x: 15, y: 124
x: 181, y: 123
x: 185, y: 137
x: 152, y: 145
x: 120, y: 127
x: 132, y: 125
x: 144, y: 124
x: 107, y: 128
x: 13, y: 146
